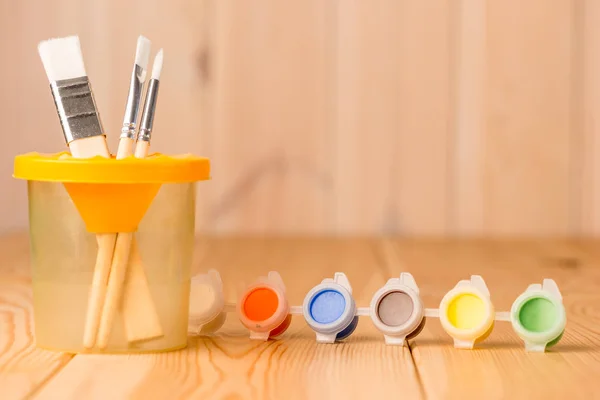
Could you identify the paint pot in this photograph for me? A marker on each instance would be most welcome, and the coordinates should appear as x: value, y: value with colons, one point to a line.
x: 538, y: 316
x: 330, y: 310
x: 397, y: 310
x: 467, y: 313
x: 264, y: 309
x: 206, y: 303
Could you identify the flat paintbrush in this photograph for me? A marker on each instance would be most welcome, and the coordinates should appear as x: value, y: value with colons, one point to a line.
x: 127, y: 279
x: 83, y: 133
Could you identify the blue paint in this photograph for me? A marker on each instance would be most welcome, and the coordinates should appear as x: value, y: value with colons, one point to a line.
x: 327, y: 306
x: 348, y: 331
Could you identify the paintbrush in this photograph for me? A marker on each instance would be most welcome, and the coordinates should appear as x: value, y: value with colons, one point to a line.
x: 73, y: 97
x: 147, y: 122
x: 134, y: 98
x: 140, y: 321
x: 127, y: 280
x: 99, y: 289
x: 83, y: 133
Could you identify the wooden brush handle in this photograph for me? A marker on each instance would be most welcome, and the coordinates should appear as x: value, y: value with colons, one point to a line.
x: 106, y: 245
x: 86, y: 148
x: 127, y: 284
x: 140, y: 317
x: 114, y: 289
x: 114, y: 279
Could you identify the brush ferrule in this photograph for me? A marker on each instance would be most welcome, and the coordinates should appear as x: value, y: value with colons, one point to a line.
x: 133, y: 102
x: 149, y: 109
x: 76, y: 108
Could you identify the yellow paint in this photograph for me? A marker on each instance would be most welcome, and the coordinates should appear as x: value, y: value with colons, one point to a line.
x: 466, y: 311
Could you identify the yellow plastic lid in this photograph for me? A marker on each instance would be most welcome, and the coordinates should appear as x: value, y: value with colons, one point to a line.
x: 111, y: 195
x: 156, y: 168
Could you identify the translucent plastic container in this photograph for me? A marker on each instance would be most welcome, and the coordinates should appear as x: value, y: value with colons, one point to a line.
x: 65, y: 250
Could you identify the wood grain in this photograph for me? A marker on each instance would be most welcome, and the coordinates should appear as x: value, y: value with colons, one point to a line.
x: 392, y: 87
x: 273, y: 88
x: 468, y: 43
x: 588, y: 144
x: 500, y: 368
x: 415, y: 118
x: 23, y: 367
x: 229, y: 365
x: 528, y: 124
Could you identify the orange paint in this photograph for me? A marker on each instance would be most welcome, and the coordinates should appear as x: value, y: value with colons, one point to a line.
x: 261, y: 304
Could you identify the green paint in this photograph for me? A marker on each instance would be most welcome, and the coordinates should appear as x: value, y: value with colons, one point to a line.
x: 537, y: 315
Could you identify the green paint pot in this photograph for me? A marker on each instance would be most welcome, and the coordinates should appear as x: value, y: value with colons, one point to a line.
x: 537, y: 314
x: 538, y: 317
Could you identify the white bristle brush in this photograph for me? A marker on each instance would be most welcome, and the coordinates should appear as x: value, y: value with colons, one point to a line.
x: 144, y: 136
x: 127, y: 279
x: 64, y: 67
x: 85, y: 137
x: 138, y: 76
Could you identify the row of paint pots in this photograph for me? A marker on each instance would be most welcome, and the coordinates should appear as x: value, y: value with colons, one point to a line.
x: 466, y: 311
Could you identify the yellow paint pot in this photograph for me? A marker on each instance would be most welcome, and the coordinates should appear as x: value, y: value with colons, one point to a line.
x: 467, y: 313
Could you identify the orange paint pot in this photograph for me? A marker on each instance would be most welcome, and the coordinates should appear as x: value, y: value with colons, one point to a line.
x: 264, y: 309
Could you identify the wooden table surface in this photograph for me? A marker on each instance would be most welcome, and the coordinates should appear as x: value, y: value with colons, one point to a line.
x: 230, y: 366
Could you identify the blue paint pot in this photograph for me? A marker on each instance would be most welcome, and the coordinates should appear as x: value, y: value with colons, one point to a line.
x: 330, y: 310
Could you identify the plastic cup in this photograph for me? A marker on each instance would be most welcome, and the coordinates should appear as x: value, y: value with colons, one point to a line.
x: 71, y: 201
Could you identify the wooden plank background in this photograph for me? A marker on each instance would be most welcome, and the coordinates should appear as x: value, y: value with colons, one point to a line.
x: 445, y: 118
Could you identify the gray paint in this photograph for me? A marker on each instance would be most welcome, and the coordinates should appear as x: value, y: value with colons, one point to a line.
x: 395, y: 308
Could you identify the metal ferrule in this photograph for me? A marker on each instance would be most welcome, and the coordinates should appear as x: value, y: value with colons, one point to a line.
x: 133, y: 102
x: 149, y: 109
x: 76, y: 108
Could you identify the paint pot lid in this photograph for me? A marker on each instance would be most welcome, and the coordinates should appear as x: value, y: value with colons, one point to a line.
x: 466, y: 311
x: 329, y: 307
x: 263, y: 305
x: 538, y: 314
x: 206, y: 297
x: 396, y: 308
